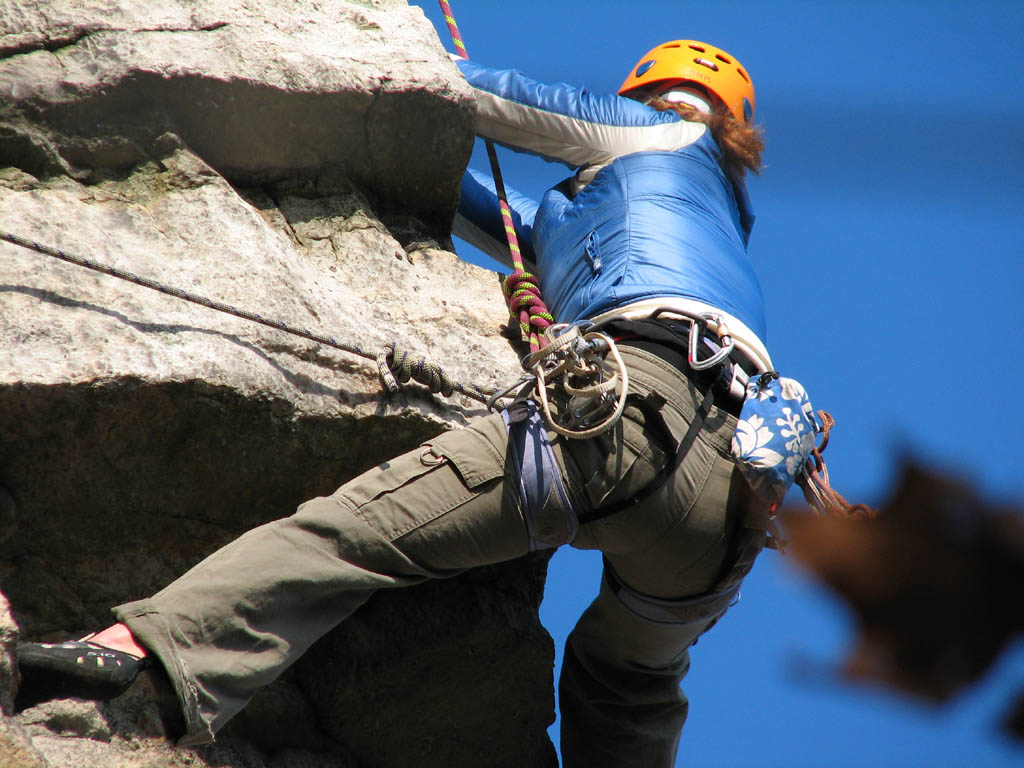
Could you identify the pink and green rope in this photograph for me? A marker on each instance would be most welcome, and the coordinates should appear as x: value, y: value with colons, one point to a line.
x: 520, y: 287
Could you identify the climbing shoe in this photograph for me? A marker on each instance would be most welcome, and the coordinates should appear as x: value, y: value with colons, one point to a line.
x: 74, y: 669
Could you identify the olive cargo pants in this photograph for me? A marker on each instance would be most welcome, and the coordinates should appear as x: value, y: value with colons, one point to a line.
x: 673, y: 563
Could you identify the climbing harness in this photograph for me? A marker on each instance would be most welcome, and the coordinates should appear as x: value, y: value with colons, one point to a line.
x: 699, y: 335
x: 535, y: 472
x: 394, y: 364
x: 576, y: 357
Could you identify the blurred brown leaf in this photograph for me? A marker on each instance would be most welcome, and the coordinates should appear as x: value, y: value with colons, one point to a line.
x: 934, y: 580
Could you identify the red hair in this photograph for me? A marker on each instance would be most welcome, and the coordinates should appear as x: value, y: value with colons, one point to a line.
x: 741, y: 143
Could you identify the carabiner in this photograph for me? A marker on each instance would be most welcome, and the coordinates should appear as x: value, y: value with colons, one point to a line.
x: 492, y: 401
x: 697, y: 328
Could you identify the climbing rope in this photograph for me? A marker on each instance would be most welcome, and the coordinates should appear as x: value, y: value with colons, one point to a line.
x: 561, y: 356
x: 394, y: 364
x: 522, y: 293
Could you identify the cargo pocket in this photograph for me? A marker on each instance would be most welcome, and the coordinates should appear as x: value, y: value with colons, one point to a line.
x: 401, y: 495
x: 472, y: 455
x: 475, y: 517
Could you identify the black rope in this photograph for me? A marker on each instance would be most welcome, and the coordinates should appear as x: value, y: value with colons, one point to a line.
x: 392, y: 360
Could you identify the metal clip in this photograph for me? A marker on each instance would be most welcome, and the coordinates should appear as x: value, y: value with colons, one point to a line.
x: 492, y: 401
x: 434, y: 460
x: 697, y: 327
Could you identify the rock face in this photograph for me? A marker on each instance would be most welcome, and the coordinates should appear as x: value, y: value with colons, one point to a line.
x: 295, y: 159
x: 260, y: 89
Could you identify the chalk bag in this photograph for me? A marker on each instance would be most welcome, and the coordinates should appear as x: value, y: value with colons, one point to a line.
x: 775, y: 435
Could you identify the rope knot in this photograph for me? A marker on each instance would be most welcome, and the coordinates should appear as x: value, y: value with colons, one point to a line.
x: 526, y: 306
x: 396, y: 365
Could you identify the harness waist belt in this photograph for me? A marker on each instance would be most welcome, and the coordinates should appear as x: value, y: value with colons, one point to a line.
x: 717, y: 378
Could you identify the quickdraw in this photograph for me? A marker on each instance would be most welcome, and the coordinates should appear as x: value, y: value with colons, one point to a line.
x: 585, y: 364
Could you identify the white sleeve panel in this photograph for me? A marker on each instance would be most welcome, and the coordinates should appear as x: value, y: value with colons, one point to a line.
x: 574, y: 141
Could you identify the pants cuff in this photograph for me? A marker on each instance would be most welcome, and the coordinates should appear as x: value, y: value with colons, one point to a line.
x: 153, y: 631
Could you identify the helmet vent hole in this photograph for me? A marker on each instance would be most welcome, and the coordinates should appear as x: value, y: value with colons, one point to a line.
x: 696, y: 47
x: 706, y: 63
x: 671, y: 45
x: 722, y: 58
x: 743, y: 74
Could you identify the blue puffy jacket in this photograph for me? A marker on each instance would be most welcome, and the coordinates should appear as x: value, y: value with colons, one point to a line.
x: 649, y: 214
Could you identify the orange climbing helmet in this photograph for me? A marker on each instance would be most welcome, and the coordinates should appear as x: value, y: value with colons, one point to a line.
x: 699, y: 63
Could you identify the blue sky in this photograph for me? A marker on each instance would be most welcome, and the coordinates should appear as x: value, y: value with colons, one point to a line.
x: 889, y: 244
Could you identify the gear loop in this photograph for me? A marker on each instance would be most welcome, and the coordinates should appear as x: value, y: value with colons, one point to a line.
x: 577, y: 364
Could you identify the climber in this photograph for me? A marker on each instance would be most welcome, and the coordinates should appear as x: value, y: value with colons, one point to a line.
x: 655, y: 215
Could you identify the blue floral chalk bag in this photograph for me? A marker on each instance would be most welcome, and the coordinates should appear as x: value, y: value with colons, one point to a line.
x: 775, y: 435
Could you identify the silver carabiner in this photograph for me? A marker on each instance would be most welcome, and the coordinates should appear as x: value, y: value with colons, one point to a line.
x: 697, y: 327
x: 492, y: 401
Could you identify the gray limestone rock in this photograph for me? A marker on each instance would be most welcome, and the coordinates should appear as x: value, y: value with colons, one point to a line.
x: 16, y: 749
x: 299, y: 160
x: 261, y: 89
x: 8, y: 663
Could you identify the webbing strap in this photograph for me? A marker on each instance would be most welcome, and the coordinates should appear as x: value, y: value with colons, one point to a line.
x: 651, y: 406
x: 687, y: 610
x: 536, y: 472
x: 706, y: 607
